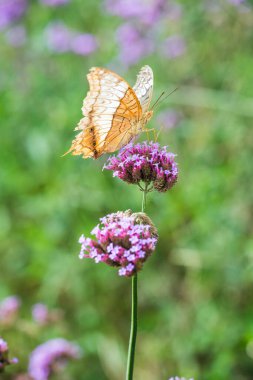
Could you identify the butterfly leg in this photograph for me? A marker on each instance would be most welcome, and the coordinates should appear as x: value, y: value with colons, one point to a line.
x: 148, y: 130
x: 158, y: 133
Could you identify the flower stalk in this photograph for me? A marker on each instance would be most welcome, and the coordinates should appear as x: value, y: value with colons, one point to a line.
x: 133, y: 332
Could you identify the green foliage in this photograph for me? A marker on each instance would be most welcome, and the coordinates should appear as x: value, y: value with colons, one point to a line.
x: 195, y: 306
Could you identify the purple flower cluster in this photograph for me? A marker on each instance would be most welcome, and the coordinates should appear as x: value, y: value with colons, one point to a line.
x: 9, y: 308
x: 145, y: 162
x: 137, y: 37
x: 4, y: 351
x: 54, y: 3
x: 146, y: 12
x: 133, y: 43
x: 61, y: 39
x: 11, y: 11
x: 49, y: 357
x: 124, y: 240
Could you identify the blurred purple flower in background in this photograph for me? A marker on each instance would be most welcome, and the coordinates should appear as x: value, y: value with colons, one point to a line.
x: 16, y: 36
x: 40, y: 313
x: 169, y: 118
x: 22, y: 376
x: 145, y: 162
x: 61, y: 39
x: 9, y: 308
x: 84, y: 44
x: 148, y: 12
x: 174, y: 46
x: 4, y: 352
x: 178, y: 378
x: 10, y: 11
x: 132, y: 44
x: 124, y: 240
x: 58, y: 37
x: 174, y: 11
x: 236, y: 2
x: 54, y: 3
x: 51, y: 357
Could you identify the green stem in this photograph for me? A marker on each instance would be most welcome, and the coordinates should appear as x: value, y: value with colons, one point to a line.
x: 144, y: 198
x: 134, y: 315
x: 133, y: 332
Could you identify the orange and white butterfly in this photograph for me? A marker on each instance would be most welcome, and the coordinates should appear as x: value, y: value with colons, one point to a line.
x: 113, y: 112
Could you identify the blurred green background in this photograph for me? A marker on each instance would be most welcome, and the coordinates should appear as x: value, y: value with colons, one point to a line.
x: 195, y: 292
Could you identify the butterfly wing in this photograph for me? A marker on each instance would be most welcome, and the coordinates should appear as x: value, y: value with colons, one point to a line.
x: 110, y: 109
x: 143, y: 87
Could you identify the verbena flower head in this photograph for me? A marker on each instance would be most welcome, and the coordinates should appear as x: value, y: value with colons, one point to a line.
x: 4, y: 353
x: 84, y: 44
x: 145, y: 162
x: 9, y: 308
x: 58, y: 37
x: 11, y: 11
x: 123, y: 239
x: 61, y: 39
x: 146, y: 12
x: 49, y: 357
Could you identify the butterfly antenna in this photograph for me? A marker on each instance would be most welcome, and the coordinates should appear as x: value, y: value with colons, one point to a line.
x: 157, y: 103
x: 157, y: 100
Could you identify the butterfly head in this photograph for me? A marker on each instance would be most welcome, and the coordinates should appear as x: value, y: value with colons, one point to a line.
x: 147, y: 116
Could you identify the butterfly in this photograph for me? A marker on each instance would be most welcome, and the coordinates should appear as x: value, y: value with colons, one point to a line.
x: 113, y: 112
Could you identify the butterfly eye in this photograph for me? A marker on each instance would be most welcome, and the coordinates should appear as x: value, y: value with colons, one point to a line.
x: 149, y: 115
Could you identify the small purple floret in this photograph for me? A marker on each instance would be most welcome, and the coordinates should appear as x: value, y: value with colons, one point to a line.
x: 145, y: 162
